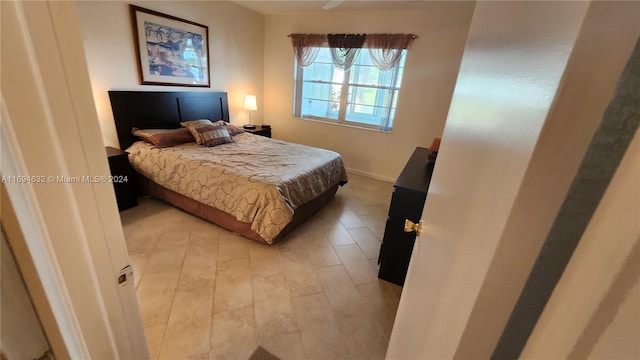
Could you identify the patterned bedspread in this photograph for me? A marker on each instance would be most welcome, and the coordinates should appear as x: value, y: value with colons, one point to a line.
x: 258, y: 180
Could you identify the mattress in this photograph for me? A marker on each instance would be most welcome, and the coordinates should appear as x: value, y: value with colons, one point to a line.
x: 257, y: 180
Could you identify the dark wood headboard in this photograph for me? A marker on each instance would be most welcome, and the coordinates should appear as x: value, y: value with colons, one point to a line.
x: 163, y: 110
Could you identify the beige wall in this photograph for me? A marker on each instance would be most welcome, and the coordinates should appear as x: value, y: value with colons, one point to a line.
x: 236, y: 43
x: 430, y: 74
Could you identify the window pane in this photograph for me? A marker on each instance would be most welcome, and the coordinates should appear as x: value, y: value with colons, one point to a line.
x: 363, y: 72
x: 370, y: 95
x: 368, y: 105
x: 401, y: 68
x: 362, y: 96
x: 321, y: 89
x: 318, y: 71
x: 320, y: 99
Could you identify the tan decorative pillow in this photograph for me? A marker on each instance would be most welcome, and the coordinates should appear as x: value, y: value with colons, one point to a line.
x: 164, y: 137
x: 192, y: 125
x: 207, y: 133
x: 234, y: 130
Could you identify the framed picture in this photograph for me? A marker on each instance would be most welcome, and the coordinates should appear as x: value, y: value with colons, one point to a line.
x: 171, y: 51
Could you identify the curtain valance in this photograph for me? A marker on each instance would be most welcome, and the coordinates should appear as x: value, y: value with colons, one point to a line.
x: 344, y: 49
x: 385, y: 49
x: 305, y: 46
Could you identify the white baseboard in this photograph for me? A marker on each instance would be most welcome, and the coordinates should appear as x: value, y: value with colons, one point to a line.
x: 370, y: 175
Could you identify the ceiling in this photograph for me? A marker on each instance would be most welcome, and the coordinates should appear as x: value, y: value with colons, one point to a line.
x: 279, y: 7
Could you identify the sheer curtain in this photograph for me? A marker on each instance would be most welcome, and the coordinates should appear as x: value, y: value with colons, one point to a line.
x: 306, y: 47
x: 344, y: 49
x: 386, y: 49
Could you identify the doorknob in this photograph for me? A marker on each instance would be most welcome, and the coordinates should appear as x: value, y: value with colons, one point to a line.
x: 410, y: 226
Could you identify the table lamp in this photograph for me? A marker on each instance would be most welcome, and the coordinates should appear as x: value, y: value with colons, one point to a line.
x: 251, y: 105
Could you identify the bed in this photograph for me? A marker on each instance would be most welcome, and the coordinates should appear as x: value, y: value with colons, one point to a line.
x: 258, y: 187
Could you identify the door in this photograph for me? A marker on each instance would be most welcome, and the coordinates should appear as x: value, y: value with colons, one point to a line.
x: 22, y: 336
x: 50, y: 141
x: 504, y: 168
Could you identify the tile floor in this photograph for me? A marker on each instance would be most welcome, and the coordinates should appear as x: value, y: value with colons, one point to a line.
x: 206, y: 293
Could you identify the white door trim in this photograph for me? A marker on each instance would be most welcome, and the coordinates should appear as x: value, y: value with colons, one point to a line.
x: 73, y: 229
x: 38, y: 242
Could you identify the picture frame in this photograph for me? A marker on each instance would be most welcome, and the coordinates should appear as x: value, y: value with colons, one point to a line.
x: 171, y: 51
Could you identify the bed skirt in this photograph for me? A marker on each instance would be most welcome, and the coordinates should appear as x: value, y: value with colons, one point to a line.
x: 228, y: 221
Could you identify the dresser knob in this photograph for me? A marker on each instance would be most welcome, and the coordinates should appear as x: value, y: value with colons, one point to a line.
x: 410, y: 226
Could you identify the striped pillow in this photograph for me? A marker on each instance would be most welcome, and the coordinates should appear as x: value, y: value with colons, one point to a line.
x: 213, y: 135
x: 207, y: 133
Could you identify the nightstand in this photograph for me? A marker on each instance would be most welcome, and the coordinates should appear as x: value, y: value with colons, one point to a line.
x: 260, y: 130
x: 122, y: 177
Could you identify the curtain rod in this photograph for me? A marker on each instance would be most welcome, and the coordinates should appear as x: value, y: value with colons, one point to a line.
x: 412, y: 35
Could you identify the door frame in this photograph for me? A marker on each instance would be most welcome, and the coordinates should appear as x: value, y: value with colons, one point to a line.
x: 609, y: 145
x: 451, y: 307
x: 72, y: 231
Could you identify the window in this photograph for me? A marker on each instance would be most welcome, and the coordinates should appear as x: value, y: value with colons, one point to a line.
x: 364, y: 96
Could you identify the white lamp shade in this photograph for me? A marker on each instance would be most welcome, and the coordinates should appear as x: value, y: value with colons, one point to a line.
x: 250, y: 102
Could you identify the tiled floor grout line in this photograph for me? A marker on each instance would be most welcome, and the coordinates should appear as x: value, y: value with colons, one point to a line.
x: 213, y: 298
x: 173, y: 298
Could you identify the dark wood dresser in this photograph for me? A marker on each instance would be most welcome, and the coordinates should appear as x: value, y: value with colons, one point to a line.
x: 407, y: 202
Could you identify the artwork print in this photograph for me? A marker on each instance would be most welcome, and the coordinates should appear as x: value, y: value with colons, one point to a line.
x: 172, y: 51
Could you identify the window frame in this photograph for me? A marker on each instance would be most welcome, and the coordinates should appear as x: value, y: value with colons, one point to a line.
x: 385, y: 126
